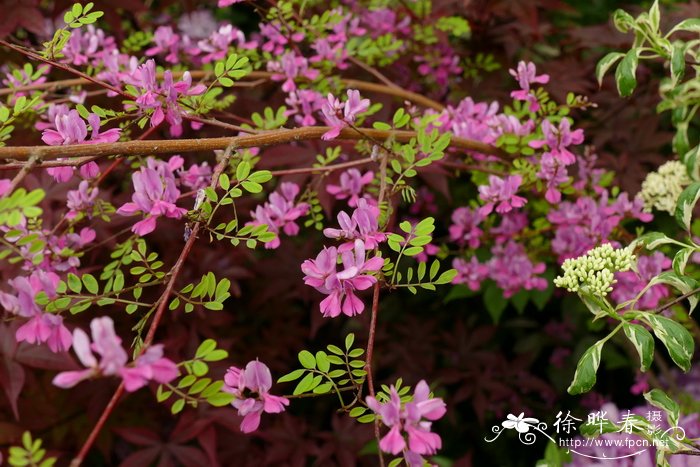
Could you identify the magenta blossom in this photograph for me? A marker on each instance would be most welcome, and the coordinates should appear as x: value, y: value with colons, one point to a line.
x: 363, y: 225
x: 526, y: 75
x: 472, y: 272
x: 465, y: 226
x: 351, y: 184
x: 223, y: 3
x: 501, y: 191
x: 289, y: 67
x: 280, y: 213
x: 113, y: 359
x: 154, y: 195
x: 340, y: 287
x: 251, y: 387
x: 412, y: 418
x: 81, y: 200
x: 553, y: 173
x: 339, y: 115
x: 630, y: 283
x: 41, y: 326
x: 558, y: 139
x: 70, y: 128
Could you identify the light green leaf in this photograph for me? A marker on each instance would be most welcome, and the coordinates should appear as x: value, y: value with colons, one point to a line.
x: 643, y: 341
x: 585, y: 375
x: 678, y: 341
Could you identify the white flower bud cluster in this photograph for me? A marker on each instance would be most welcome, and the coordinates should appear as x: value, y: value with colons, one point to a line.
x: 661, y: 189
x: 594, y: 272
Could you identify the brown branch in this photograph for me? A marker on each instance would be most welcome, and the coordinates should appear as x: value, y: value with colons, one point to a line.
x: 21, y: 174
x: 175, y: 146
x: 36, y: 56
x: 327, y: 168
x: 368, y: 363
x: 157, y: 317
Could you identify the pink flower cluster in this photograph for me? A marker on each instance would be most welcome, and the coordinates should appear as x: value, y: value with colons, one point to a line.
x: 526, y: 74
x: 40, y: 326
x: 413, y: 419
x: 155, y: 194
x: 340, y: 115
x: 630, y: 283
x: 69, y: 128
x: 280, y: 212
x: 340, y: 286
x: 501, y: 193
x: 510, y: 267
x: 251, y: 387
x: 362, y: 225
x: 350, y: 186
x: 149, y: 366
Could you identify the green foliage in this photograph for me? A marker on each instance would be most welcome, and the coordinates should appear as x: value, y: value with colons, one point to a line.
x: 207, y: 293
x: 79, y: 15
x: 195, y: 387
x: 331, y: 371
x: 412, y: 244
x: 245, y: 179
x: 30, y: 453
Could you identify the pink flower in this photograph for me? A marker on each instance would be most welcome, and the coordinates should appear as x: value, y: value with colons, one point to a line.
x: 289, y: 67
x: 166, y: 41
x: 251, y: 387
x: 81, y: 200
x: 527, y: 75
x: 412, y: 418
x: 113, y: 359
x: 338, y: 115
x: 512, y: 269
x: 470, y: 272
x: 280, y: 213
x: 501, y: 191
x: 224, y: 3
x: 196, y: 177
x: 71, y: 129
x: 149, y: 366
x: 351, y: 184
x: 465, y: 230
x: 340, y: 287
x: 558, y: 139
x: 41, y: 326
x: 630, y: 283
x: 363, y: 225
x: 554, y: 173
x: 154, y: 195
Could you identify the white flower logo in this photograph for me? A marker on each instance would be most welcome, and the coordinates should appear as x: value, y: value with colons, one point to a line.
x: 520, y: 423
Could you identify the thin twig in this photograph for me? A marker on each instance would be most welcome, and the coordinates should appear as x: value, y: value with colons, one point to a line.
x: 327, y: 168
x: 21, y: 174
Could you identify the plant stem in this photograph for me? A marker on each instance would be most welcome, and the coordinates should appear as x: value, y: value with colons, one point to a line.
x: 174, y: 146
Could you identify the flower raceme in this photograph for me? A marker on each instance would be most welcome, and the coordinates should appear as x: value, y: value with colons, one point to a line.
x: 362, y: 225
x: 251, y: 387
x: 322, y: 274
x: 350, y: 186
x: 151, y: 365
x: 280, y: 213
x: 526, y: 74
x: 41, y: 326
x: 340, y: 115
x: 500, y: 192
x: 412, y: 418
x: 155, y: 195
x: 70, y: 128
